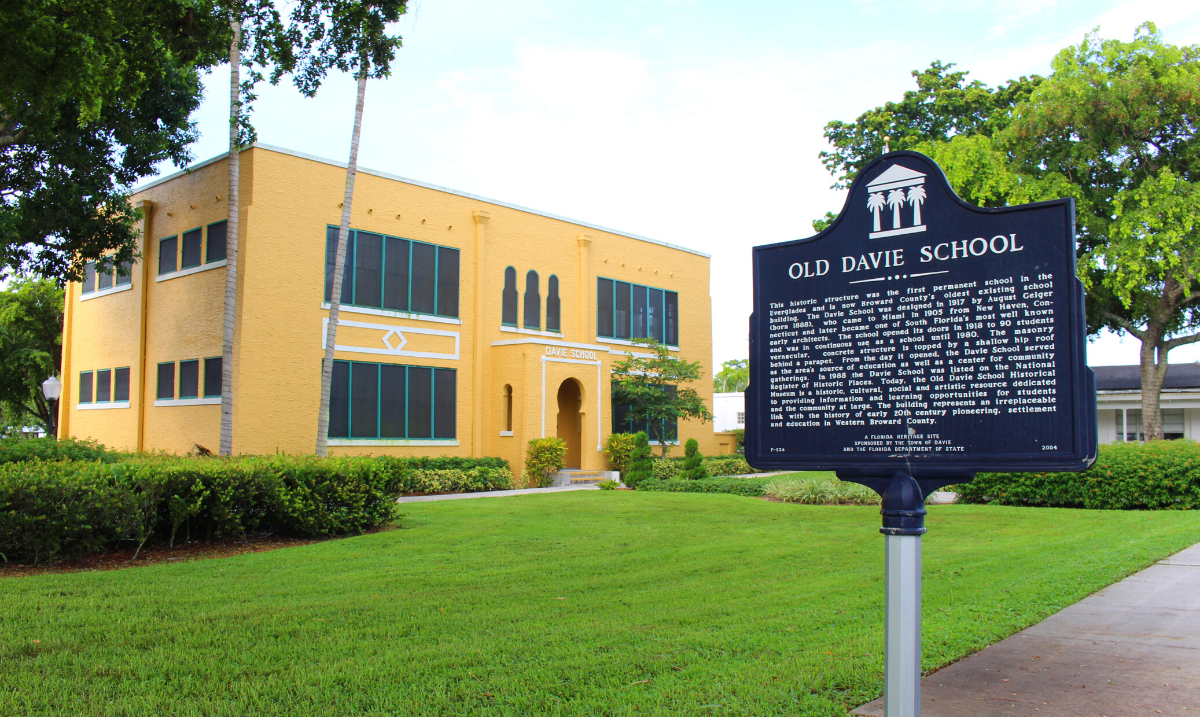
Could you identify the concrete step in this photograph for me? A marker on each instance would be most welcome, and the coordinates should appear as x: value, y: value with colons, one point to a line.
x: 582, y: 477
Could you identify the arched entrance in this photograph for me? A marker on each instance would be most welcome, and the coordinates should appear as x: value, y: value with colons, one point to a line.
x: 570, y: 428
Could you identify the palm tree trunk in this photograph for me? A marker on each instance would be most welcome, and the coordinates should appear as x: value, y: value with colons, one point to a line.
x: 335, y: 298
x: 231, y: 240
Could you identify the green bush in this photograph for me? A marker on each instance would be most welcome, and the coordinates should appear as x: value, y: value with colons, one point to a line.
x: 607, y: 484
x: 544, y: 458
x: 693, y: 462
x: 1147, y: 476
x: 448, y: 475
x: 16, y: 450
x: 641, y: 465
x: 727, y: 466
x: 740, y: 434
x: 619, y: 446
x: 820, y: 491
x: 665, y: 469
x: 751, y: 487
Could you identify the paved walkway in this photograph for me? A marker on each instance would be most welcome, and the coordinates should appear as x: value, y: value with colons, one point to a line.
x: 1131, y: 649
x: 495, y: 494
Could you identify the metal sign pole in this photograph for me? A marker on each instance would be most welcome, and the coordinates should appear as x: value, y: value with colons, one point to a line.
x: 903, y: 510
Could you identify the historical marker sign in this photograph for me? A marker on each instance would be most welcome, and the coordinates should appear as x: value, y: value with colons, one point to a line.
x: 921, y: 334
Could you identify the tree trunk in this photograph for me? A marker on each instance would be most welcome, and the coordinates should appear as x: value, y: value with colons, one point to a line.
x: 231, y: 240
x: 1154, y: 372
x: 335, y: 298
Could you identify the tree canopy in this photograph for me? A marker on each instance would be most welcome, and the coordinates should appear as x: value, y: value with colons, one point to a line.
x: 31, y: 321
x: 92, y: 95
x: 654, y: 388
x: 734, y: 376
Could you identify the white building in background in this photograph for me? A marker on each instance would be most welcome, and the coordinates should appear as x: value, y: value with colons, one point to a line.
x: 729, y: 411
x: 1119, y: 402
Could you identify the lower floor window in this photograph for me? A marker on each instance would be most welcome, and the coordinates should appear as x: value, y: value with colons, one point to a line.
x: 371, y: 400
x: 1129, y: 424
x: 664, y: 430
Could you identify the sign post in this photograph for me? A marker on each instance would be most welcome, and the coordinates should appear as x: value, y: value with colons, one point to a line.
x: 917, y: 341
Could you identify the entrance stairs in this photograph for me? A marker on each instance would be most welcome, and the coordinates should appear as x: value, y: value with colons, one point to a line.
x: 575, y: 476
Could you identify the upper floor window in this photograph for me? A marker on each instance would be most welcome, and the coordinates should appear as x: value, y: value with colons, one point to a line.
x: 109, y: 277
x: 533, y: 302
x: 385, y: 272
x: 553, y: 305
x: 632, y: 311
x: 191, y: 250
x: 508, y: 305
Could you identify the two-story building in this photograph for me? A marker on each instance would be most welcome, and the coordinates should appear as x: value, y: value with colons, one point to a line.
x: 468, y: 326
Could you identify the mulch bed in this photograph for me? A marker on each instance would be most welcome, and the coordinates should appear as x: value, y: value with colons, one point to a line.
x: 156, y: 554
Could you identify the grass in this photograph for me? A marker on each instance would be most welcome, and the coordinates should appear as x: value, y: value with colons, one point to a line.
x: 587, y: 603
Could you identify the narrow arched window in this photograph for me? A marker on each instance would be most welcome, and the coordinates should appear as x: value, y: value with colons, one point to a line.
x: 508, y: 311
x: 533, y: 302
x: 553, y: 306
x: 508, y: 408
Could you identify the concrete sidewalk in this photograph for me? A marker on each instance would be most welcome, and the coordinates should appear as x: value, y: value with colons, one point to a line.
x: 1131, y: 649
x: 492, y: 493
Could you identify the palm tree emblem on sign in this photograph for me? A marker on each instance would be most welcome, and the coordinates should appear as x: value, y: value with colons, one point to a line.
x: 895, y: 187
x: 875, y: 203
x: 916, y: 197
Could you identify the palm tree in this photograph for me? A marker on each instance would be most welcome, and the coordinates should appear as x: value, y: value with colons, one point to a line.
x: 353, y: 37
x: 916, y: 197
x: 895, y: 200
x: 875, y: 204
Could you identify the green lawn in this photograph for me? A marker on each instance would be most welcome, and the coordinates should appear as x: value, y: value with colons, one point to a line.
x: 586, y: 603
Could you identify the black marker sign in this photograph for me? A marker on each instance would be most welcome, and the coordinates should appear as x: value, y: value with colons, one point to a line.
x: 922, y: 334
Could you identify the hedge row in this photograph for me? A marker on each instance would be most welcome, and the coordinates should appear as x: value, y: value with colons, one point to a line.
x: 752, y: 487
x: 51, y: 510
x: 1146, y: 476
x: 16, y: 450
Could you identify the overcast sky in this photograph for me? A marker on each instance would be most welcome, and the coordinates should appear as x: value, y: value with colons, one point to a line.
x: 693, y: 122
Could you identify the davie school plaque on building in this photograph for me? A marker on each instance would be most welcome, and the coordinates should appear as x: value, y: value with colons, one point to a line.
x: 921, y: 334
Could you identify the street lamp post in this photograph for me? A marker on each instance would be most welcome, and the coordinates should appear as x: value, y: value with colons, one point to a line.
x: 52, y: 389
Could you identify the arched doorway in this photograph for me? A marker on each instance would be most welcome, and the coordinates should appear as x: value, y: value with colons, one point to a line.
x: 570, y: 428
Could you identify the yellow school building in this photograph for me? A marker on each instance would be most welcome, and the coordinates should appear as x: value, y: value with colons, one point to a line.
x: 468, y: 326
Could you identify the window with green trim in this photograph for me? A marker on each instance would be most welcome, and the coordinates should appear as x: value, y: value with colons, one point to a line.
x: 668, y: 429
x: 372, y: 400
x: 632, y: 311
x: 385, y: 272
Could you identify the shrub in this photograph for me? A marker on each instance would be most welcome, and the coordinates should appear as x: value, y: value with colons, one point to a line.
x: 16, y: 450
x: 751, y: 487
x: 727, y: 466
x: 545, y: 457
x: 1154, y: 475
x: 740, y: 434
x: 619, y: 446
x: 693, y: 462
x: 665, y: 469
x: 607, y: 484
x: 820, y: 491
x: 450, y: 475
x: 641, y: 465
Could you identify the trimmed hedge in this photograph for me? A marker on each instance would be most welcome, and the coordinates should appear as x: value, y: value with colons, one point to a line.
x: 751, y: 487
x: 1126, y: 476
x: 64, y: 509
x: 16, y: 450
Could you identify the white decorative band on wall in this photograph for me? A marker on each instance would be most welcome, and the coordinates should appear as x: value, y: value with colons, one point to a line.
x: 211, y: 401
x: 374, y: 442
x: 623, y: 342
x: 388, y: 332
x: 105, y: 292
x: 97, y: 406
x: 599, y: 384
x: 548, y: 342
x: 531, y: 332
x: 393, y: 314
x: 192, y: 270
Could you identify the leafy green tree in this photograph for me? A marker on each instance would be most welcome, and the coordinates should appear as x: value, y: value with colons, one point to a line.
x: 652, y: 385
x: 352, y: 36
x: 693, y: 462
x: 31, y: 320
x: 93, y: 94
x: 734, y: 376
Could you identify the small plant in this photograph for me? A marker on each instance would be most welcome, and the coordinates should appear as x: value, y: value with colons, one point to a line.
x: 619, y: 446
x: 545, y: 457
x: 693, y: 462
x: 666, y: 469
x: 740, y: 435
x: 607, y: 484
x: 820, y: 491
x: 641, y: 465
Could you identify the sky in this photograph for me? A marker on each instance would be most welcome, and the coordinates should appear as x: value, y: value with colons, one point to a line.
x: 691, y: 122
